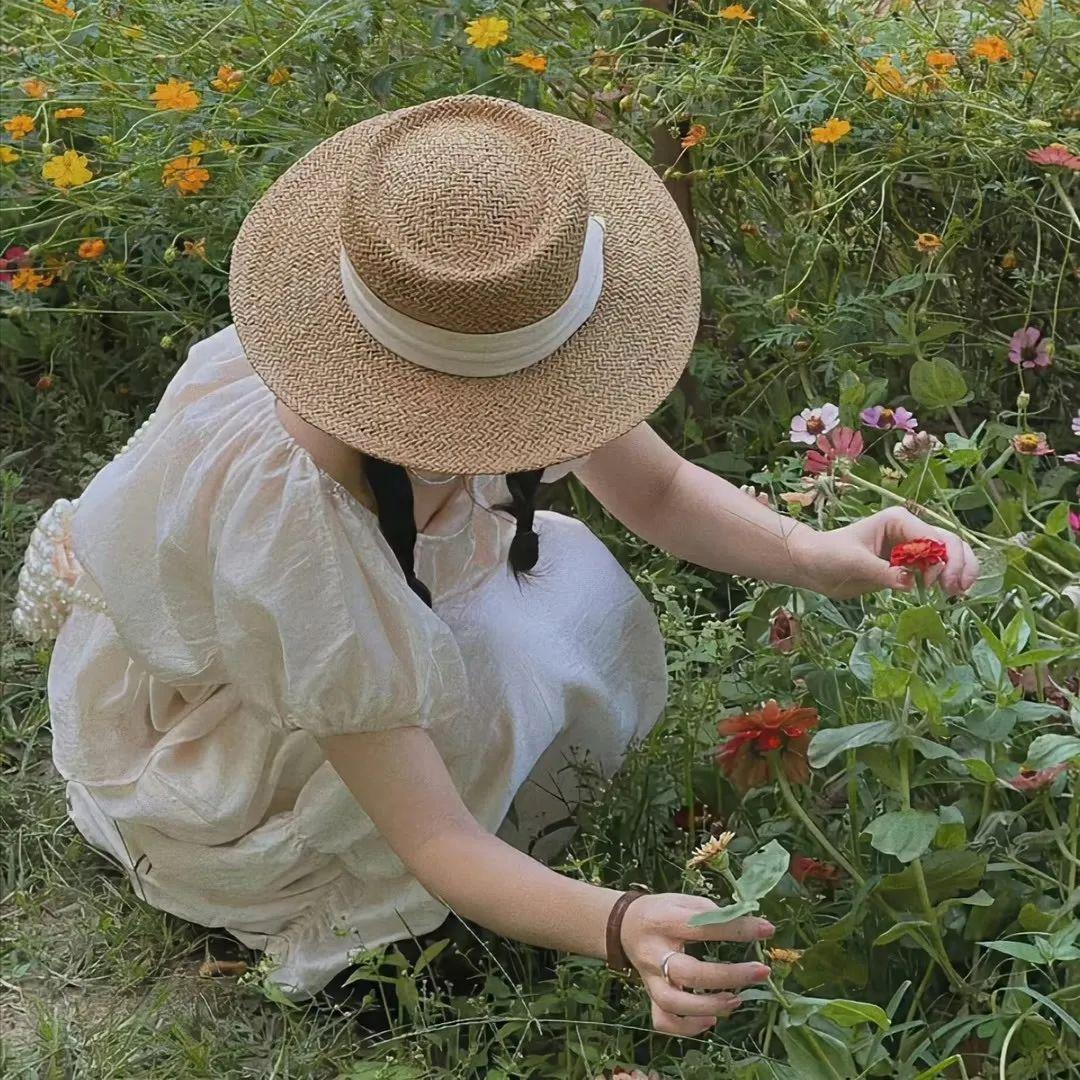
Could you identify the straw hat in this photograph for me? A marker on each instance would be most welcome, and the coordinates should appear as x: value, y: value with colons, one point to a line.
x: 468, y: 286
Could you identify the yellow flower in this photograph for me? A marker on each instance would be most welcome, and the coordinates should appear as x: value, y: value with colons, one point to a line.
x: 60, y: 7
x: 7, y: 155
x: 709, y: 851
x: 992, y: 49
x: 228, y: 79
x: 132, y: 32
x: 928, y: 243
x: 279, y: 76
x: 940, y: 59
x: 185, y: 174
x: 30, y: 280
x: 784, y: 956
x: 18, y: 127
x: 832, y: 131
x: 1030, y: 9
x: 487, y: 32
x: 1010, y: 260
x: 530, y: 60
x: 197, y: 146
x: 695, y: 135
x: 175, y: 94
x: 76, y: 112
x: 884, y: 79
x: 93, y: 248
x: 34, y: 88
x: 67, y: 170
x: 226, y: 146
x: 736, y: 11
x: 195, y: 249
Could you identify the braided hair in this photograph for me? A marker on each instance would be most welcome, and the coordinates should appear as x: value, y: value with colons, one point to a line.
x: 393, y: 493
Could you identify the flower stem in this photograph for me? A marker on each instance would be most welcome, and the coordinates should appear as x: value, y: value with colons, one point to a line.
x: 796, y: 808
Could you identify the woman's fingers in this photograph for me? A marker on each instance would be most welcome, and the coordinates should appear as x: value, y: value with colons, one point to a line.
x: 743, y: 929
x: 693, y: 974
x: 670, y: 1024
x: 676, y: 1002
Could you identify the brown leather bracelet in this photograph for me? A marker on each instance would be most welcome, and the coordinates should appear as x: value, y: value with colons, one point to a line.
x: 616, y: 955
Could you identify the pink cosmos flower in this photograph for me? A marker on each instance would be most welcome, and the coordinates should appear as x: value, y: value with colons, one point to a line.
x: 810, y: 423
x: 1032, y: 443
x: 884, y: 419
x: 843, y: 443
x: 13, y: 259
x: 1030, y: 780
x: 1074, y: 521
x: 1055, y: 154
x: 1029, y: 349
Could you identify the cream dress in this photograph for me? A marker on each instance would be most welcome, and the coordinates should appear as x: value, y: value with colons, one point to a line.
x: 231, y: 603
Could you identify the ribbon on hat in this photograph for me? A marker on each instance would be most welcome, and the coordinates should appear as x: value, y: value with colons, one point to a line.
x: 480, y: 355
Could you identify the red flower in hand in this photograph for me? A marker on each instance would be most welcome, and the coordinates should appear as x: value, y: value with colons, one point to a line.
x: 804, y: 869
x: 919, y: 554
x: 744, y: 758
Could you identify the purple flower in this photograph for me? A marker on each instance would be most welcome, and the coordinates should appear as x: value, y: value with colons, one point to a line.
x: 1071, y: 459
x: 885, y: 419
x: 811, y: 423
x: 1076, y: 424
x: 1029, y: 349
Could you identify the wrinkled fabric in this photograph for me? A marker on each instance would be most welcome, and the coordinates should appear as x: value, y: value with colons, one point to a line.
x: 253, y: 607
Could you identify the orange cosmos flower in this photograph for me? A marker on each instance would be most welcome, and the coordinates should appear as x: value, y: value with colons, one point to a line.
x: 531, y: 61
x: 76, y: 112
x: 18, y: 127
x: 1030, y: 9
x: 279, y: 76
x: 34, y: 88
x: 228, y: 79
x: 30, y: 280
x: 186, y: 175
x: 487, y: 32
x: 92, y: 249
x: 7, y: 156
x: 833, y: 130
x: 745, y: 757
x: 175, y: 94
x: 736, y: 11
x: 992, y: 49
x: 67, y: 170
x: 928, y: 243
x: 60, y: 7
x: 941, y: 60
x: 694, y: 136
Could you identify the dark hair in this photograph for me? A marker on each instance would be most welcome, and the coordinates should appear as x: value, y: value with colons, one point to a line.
x: 393, y: 493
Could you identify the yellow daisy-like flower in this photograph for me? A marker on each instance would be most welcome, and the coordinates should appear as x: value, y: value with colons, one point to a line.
x: 60, y: 7
x: 941, y: 60
x: 197, y: 146
x: 76, y: 112
x: 736, y: 11
x: 833, y: 130
x: 885, y: 79
x: 928, y: 243
x: 67, y: 170
x: 186, y: 175
x: 530, y: 60
x: 1030, y: 9
x: 18, y: 127
x: 35, y: 88
x: 30, y: 280
x: 195, y: 249
x: 228, y: 79
x: 784, y: 956
x: 7, y: 156
x: 93, y: 248
x: 710, y: 851
x: 175, y: 94
x: 487, y: 31
x: 279, y: 76
x: 992, y: 49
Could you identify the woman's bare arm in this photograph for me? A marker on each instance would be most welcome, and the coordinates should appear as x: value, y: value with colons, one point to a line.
x: 401, y: 782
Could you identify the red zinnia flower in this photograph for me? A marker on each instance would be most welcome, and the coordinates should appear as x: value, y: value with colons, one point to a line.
x: 842, y: 443
x: 1032, y: 780
x: 13, y: 259
x: 919, y: 554
x: 804, y: 869
x: 697, y: 815
x: 785, y: 630
x: 1055, y: 154
x: 744, y: 758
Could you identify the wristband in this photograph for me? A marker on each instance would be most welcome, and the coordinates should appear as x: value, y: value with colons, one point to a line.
x: 616, y: 955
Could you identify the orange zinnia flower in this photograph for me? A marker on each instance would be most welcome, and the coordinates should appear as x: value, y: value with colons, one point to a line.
x: 919, y: 554
x: 745, y: 757
x: 185, y: 174
x: 992, y: 49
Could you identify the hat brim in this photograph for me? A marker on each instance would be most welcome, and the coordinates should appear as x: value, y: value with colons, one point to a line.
x: 302, y: 338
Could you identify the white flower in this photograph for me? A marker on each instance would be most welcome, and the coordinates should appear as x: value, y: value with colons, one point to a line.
x: 1076, y: 424
x: 810, y: 423
x: 1072, y: 592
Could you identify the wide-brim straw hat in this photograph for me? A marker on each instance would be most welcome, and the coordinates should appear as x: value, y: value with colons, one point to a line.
x: 468, y: 286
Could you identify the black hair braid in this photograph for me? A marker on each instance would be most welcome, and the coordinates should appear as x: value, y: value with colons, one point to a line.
x: 525, y: 547
x: 393, y: 493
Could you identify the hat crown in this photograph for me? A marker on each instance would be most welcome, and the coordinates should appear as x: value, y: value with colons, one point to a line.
x: 466, y: 214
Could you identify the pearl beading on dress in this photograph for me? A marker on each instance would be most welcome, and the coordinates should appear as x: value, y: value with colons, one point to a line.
x: 47, y: 581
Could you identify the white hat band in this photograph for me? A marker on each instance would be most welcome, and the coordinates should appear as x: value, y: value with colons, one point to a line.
x: 480, y: 355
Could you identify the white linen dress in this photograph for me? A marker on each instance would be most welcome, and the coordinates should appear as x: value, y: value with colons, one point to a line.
x: 233, y: 603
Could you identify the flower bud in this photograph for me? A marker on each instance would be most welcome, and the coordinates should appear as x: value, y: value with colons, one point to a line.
x: 169, y: 256
x: 167, y: 341
x: 1023, y: 399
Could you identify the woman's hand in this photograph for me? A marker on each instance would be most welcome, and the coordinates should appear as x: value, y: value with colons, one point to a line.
x: 656, y: 925
x: 854, y: 560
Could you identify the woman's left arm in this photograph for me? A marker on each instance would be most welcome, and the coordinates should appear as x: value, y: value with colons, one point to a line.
x: 698, y: 516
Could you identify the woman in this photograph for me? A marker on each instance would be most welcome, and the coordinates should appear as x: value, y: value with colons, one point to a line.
x: 304, y: 664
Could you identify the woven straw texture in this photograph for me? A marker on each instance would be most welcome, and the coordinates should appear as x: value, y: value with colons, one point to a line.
x: 466, y: 213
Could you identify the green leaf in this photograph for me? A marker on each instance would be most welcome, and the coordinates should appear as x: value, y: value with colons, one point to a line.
x: 937, y: 383
x: 851, y: 1013
x: 920, y: 624
x: 1038, y: 656
x: 889, y: 682
x: 762, y: 871
x: 1016, y: 635
x: 870, y: 644
x: 429, y: 954
x: 830, y: 742
x: 980, y: 770
x: 932, y: 750
x: 1058, y: 519
x: 948, y: 874
x: 1019, y: 950
x: 1049, y: 750
x: 903, y: 833
x: 952, y: 830
x: 991, y: 579
x: 817, y: 1056
x: 899, y: 930
x: 724, y: 914
x: 936, y: 1070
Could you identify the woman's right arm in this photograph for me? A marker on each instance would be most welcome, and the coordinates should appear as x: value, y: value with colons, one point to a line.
x: 400, y: 781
